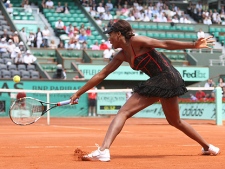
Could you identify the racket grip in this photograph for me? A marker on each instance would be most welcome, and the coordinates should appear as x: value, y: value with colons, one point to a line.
x: 65, y: 102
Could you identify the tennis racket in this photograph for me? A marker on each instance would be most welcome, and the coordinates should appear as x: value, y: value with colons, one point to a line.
x: 28, y: 110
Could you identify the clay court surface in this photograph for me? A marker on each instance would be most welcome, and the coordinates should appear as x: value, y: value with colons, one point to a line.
x: 143, y: 143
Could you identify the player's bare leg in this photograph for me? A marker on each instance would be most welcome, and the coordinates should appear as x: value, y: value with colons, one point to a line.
x: 171, y: 109
x: 133, y: 105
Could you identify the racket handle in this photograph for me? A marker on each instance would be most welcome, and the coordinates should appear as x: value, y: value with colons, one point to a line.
x: 65, y: 102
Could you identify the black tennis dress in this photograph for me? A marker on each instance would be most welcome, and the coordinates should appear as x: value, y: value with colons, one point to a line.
x: 164, y: 82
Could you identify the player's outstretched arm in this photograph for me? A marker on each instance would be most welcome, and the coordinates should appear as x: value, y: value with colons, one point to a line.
x: 174, y: 44
x: 99, y: 77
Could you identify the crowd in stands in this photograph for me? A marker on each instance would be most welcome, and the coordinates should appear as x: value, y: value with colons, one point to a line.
x: 201, y: 13
x: 11, y: 48
x: 161, y: 11
x: 201, y: 95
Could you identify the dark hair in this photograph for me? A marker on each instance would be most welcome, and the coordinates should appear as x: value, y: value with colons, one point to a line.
x: 122, y: 26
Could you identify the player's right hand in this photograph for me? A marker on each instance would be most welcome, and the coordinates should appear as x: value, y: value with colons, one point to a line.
x: 74, y: 99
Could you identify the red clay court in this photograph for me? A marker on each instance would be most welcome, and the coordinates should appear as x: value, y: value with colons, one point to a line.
x: 143, y: 143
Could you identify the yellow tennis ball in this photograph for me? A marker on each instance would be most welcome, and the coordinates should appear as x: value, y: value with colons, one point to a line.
x: 16, y: 79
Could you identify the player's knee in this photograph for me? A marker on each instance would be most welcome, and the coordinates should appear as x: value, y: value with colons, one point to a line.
x: 177, y: 124
x: 126, y: 114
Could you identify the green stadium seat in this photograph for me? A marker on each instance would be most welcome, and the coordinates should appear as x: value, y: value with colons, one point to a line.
x: 78, y: 20
x: 181, y: 36
x: 191, y: 28
x: 187, y: 36
x: 156, y: 35
x: 85, y: 20
x: 166, y: 27
x: 162, y: 35
x: 147, y: 27
x: 181, y: 57
x: 51, y: 54
x: 95, y: 33
x: 31, y: 18
x: 149, y: 34
x: 175, y: 36
x: 218, y: 29
x: 96, y: 55
x: 141, y: 26
x: 169, y: 35
x: 17, y: 17
x: 81, y: 15
x: 178, y: 27
x: 142, y: 33
x: 160, y: 27
x: 135, y: 26
x: 185, y: 28
x: 154, y: 27
x: 212, y: 29
x: 24, y: 17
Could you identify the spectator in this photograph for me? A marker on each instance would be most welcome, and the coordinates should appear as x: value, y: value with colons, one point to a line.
x: 66, y: 9
x: 46, y: 35
x: 82, y: 28
x: 98, y: 21
x: 38, y: 38
x: 77, y: 45
x: 5, y: 35
x: 84, y: 45
x: 200, y: 94
x: 11, y: 46
x: 49, y: 4
x: 15, y: 52
x: 22, y: 47
x: 103, y: 46
x: 223, y: 90
x: 29, y: 58
x: 207, y: 21
x: 31, y: 39
x: 92, y: 102
x: 107, y: 16
x: 88, y: 31
x: 69, y: 29
x: 210, y: 83
x: 107, y: 54
x: 59, y: 27
x: 10, y: 10
x: 18, y: 58
x: 3, y: 46
x: 23, y: 34
x: 52, y: 44
x: 27, y: 7
x: 95, y: 46
x: 221, y: 82
x: 109, y: 5
x: 82, y: 37
x: 59, y: 74
x: 7, y: 4
x: 100, y: 8
x: 200, y: 34
x: 59, y: 8
x: 61, y: 44
x: 15, y: 38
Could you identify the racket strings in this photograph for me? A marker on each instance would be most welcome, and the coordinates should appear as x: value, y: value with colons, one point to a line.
x: 26, y: 111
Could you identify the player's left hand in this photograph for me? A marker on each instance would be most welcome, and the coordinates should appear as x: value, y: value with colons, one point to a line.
x: 204, y: 42
x: 74, y: 99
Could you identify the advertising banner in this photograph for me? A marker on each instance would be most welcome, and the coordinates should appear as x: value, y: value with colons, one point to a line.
x: 127, y: 73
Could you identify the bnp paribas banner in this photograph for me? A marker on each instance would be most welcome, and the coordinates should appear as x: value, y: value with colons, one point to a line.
x: 127, y: 73
x: 71, y: 110
x: 110, y: 103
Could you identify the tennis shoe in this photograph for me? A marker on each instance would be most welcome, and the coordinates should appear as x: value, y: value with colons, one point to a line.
x: 98, y: 155
x: 211, y: 151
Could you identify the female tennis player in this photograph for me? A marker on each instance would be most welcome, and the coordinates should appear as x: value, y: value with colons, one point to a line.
x: 165, y: 84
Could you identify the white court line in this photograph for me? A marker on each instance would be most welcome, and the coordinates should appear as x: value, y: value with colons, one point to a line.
x: 85, y: 128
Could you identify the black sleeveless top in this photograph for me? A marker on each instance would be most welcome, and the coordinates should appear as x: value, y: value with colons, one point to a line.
x: 165, y: 80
